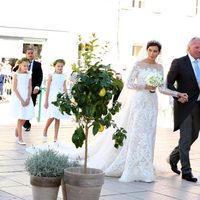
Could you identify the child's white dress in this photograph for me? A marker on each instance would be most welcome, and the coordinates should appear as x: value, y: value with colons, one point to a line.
x: 17, y: 110
x: 56, y: 87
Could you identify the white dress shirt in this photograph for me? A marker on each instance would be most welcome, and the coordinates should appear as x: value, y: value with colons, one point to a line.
x: 192, y: 60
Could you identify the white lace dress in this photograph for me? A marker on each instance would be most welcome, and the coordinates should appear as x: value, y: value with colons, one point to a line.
x: 138, y: 115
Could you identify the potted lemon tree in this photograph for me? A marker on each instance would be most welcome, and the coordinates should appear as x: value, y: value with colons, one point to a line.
x: 89, y: 102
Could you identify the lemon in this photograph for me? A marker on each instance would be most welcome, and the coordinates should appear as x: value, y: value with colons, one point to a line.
x: 102, y: 92
x: 101, y: 128
x: 80, y: 47
x: 74, y: 67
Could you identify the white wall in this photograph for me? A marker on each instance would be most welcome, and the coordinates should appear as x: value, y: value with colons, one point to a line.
x: 172, y: 30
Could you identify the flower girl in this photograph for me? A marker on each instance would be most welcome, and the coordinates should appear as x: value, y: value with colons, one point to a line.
x: 21, y: 103
x: 56, y: 83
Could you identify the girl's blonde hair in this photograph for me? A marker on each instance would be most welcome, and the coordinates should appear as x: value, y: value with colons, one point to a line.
x: 58, y: 61
x: 20, y: 61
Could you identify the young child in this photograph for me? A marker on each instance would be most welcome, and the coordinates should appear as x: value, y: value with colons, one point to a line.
x: 21, y: 103
x: 56, y: 83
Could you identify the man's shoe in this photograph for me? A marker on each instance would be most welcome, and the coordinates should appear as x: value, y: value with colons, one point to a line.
x: 174, y: 167
x: 189, y: 177
x: 28, y: 129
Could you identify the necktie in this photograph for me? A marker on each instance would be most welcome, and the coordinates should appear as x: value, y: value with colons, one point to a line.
x: 29, y: 67
x: 197, y: 69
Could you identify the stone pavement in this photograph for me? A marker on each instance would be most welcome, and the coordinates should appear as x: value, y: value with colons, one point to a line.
x: 14, y: 180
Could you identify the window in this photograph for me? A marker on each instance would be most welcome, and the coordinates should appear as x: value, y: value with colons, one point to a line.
x: 133, y: 3
x: 197, y: 7
x: 135, y: 50
x: 37, y: 49
x: 138, y: 3
x: 191, y: 8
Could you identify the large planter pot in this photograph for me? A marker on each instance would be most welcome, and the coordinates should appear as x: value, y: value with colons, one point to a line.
x: 80, y: 186
x: 45, y: 187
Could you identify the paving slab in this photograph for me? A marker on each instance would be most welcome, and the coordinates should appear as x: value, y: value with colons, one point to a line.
x: 15, y: 183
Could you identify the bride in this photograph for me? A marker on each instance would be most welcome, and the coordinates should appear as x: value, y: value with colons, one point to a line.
x: 138, y: 116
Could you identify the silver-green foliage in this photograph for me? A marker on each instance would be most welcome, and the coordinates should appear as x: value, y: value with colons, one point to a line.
x: 48, y: 163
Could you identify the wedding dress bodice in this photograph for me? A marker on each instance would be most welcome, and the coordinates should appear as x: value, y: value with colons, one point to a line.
x: 137, y: 77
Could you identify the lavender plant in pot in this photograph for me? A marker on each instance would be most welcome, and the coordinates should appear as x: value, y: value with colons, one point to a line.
x: 46, y: 169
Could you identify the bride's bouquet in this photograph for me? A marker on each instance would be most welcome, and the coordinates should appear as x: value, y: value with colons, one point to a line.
x: 154, y: 79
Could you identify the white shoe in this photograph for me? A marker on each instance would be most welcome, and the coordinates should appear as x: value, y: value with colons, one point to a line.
x: 16, y: 139
x: 44, y: 138
x: 21, y: 142
x: 56, y: 143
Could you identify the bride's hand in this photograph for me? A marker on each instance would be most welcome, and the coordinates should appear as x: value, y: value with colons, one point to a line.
x: 149, y: 87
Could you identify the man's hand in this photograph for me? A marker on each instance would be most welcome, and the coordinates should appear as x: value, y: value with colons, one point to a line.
x: 182, y: 97
x: 35, y: 91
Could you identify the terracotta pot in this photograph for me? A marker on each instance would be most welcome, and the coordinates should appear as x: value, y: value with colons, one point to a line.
x: 64, y: 193
x: 45, y: 187
x: 80, y: 186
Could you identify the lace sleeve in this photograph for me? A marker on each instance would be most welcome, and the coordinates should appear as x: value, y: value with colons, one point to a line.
x: 132, y: 79
x: 164, y: 90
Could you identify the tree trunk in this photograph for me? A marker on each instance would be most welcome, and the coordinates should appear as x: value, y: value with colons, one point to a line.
x: 86, y: 148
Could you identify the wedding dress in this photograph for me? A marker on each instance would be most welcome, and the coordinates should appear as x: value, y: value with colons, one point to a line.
x: 138, y: 116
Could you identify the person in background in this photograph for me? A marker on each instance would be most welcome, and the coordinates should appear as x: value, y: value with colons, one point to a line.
x: 1, y: 81
x: 35, y: 69
x: 56, y: 83
x: 21, y: 103
x: 7, y: 71
x: 184, y: 76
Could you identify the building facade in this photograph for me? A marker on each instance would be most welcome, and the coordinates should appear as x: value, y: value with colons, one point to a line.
x: 53, y: 27
x: 171, y: 22
x: 127, y: 24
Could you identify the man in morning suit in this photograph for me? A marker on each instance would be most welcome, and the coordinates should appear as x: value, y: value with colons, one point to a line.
x: 184, y: 76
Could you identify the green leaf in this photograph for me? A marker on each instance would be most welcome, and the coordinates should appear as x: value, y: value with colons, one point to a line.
x: 119, y: 137
x: 95, y: 128
x: 89, y: 110
x: 78, y: 137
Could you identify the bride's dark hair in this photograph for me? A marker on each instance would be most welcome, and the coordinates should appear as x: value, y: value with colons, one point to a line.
x: 154, y: 43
